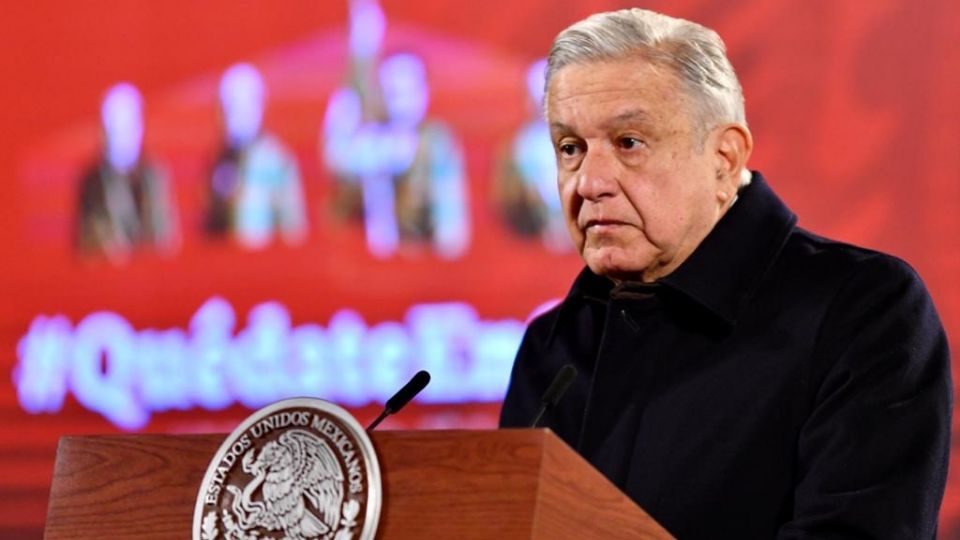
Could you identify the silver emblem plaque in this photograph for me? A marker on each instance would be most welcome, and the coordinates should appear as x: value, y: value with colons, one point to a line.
x: 299, y: 469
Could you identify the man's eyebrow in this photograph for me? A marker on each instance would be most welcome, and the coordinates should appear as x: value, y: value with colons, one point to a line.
x: 560, y: 127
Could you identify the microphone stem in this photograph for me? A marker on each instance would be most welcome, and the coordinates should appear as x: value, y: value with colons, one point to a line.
x: 540, y: 413
x: 383, y: 415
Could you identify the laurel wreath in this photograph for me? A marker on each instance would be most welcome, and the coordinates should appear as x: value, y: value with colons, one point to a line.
x: 209, y: 530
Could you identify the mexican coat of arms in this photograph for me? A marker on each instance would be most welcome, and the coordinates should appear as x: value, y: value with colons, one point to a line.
x: 300, y: 469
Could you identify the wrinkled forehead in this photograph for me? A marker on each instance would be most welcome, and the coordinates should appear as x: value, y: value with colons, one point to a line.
x: 634, y: 83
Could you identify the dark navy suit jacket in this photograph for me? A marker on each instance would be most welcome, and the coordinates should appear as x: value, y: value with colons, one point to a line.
x: 776, y: 385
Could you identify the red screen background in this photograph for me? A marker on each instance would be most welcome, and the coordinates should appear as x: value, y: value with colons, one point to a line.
x: 853, y: 106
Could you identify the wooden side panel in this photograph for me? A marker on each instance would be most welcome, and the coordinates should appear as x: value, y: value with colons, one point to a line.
x: 575, y: 499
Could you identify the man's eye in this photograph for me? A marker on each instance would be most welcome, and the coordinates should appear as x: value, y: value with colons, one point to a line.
x: 569, y: 149
x: 629, y: 143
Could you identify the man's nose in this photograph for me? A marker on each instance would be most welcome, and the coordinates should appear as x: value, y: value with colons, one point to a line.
x: 597, y: 177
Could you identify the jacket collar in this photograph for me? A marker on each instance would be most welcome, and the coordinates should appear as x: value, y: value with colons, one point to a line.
x: 722, y: 273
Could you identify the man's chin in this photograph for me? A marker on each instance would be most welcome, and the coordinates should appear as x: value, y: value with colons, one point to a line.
x: 616, y: 271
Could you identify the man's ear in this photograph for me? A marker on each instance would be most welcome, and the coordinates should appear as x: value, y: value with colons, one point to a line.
x: 732, y: 148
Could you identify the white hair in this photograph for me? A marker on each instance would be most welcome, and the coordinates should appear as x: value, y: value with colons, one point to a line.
x: 693, y: 52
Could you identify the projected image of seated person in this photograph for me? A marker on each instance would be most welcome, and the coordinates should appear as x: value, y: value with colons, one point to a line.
x: 397, y: 170
x: 526, y: 186
x: 254, y: 192
x: 124, y: 200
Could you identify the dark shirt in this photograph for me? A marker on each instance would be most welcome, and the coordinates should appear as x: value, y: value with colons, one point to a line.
x: 120, y: 211
x: 776, y: 385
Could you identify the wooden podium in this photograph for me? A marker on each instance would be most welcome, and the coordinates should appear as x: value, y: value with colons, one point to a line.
x: 518, y: 483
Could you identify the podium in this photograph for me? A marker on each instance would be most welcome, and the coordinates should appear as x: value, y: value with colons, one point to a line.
x: 505, y: 484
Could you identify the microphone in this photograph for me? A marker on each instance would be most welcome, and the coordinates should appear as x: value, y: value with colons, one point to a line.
x: 403, y: 396
x: 556, y: 390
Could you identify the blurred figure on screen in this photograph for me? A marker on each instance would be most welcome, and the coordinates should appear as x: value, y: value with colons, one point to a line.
x: 255, y: 191
x: 395, y: 169
x: 526, y: 187
x: 358, y: 102
x: 125, y: 200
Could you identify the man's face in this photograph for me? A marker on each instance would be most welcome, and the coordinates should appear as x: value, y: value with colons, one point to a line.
x: 639, y: 184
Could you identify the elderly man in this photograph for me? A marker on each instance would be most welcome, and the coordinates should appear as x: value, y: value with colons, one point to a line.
x: 737, y: 376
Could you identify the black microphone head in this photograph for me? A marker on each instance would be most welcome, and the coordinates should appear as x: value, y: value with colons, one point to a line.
x: 559, y: 385
x: 405, y: 394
